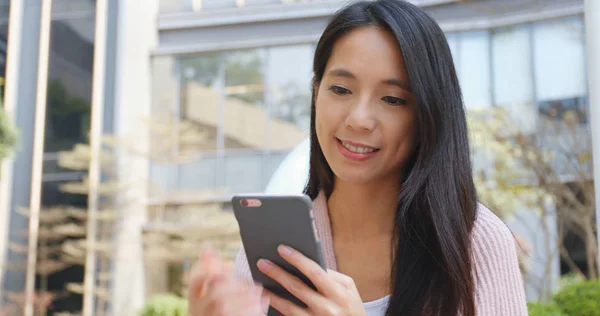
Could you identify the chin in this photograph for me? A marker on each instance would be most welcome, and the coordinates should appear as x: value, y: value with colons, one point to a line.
x: 357, y: 177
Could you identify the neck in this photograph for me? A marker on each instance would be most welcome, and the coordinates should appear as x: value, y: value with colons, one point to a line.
x: 362, y: 211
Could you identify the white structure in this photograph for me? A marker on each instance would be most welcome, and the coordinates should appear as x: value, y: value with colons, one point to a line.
x: 592, y: 11
x: 292, y: 174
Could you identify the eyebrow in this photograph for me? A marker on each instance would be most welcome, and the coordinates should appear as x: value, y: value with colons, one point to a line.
x: 339, y: 72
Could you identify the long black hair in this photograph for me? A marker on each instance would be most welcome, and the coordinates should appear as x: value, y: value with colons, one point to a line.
x: 431, y: 270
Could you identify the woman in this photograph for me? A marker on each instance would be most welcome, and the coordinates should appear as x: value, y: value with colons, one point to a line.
x: 391, y: 180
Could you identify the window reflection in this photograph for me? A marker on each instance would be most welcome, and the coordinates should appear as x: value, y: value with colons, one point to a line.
x: 69, y: 86
x: 69, y: 83
x: 73, y: 7
x: 474, y: 72
x: 247, y: 108
x: 245, y: 121
x: 4, y: 11
x: 512, y: 75
x: 69, y: 94
x: 199, y: 102
x: 290, y: 94
x: 559, y: 54
x: 244, y: 113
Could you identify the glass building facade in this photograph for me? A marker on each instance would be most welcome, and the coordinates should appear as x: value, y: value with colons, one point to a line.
x: 231, y: 80
x: 68, y: 84
x: 254, y: 103
x: 251, y: 106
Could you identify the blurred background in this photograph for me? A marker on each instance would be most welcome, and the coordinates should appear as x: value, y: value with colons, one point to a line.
x: 127, y: 125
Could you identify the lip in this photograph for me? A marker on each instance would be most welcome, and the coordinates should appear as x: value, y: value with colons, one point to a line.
x: 352, y: 155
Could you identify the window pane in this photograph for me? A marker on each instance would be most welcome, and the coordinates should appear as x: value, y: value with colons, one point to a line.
x: 165, y: 84
x: 474, y: 73
x: 244, y: 171
x: 200, y: 102
x: 68, y: 102
x: 245, y: 121
x: 453, y: 42
x: 198, y: 174
x: 62, y: 8
x: 289, y: 74
x: 513, y: 78
x: 4, y: 16
x: 186, y: 105
x: 289, y: 77
x: 244, y: 114
x: 560, y: 69
x: 69, y: 83
x: 559, y: 51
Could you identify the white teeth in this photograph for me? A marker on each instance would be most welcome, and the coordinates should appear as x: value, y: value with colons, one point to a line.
x: 358, y: 150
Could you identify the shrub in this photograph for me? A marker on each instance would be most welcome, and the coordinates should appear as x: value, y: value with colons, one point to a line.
x: 569, y: 279
x: 580, y: 299
x: 165, y: 305
x: 543, y: 309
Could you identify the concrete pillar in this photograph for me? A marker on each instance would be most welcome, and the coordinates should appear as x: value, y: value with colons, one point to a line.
x: 136, y: 36
x: 592, y: 23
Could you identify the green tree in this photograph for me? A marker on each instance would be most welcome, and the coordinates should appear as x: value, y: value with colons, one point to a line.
x: 547, y: 172
x: 8, y: 135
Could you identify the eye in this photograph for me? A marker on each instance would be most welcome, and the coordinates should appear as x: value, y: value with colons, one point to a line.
x: 339, y: 90
x: 394, y: 101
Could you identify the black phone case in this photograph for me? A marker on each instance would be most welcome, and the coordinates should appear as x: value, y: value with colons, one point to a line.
x: 284, y: 219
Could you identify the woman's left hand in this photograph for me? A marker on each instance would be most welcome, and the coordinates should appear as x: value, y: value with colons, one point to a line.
x: 337, y: 294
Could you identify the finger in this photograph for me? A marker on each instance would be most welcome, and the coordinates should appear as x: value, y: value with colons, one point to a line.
x: 227, y: 285
x: 291, y: 283
x: 212, y: 262
x: 313, y: 271
x: 284, y: 306
x: 227, y: 296
x: 208, y: 265
x: 265, y: 301
x: 342, y: 279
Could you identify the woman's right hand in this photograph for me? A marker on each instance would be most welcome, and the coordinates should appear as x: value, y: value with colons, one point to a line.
x: 214, y: 291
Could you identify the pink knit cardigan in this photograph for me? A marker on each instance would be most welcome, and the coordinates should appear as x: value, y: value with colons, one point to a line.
x: 499, y: 287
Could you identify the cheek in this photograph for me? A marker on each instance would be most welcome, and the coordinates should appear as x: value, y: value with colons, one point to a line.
x: 320, y: 125
x: 404, y: 134
x: 324, y: 117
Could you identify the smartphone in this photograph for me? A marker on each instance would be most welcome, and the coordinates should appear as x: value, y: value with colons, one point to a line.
x: 267, y: 221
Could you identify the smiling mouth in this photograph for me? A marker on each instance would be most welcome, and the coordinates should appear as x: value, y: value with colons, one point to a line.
x: 356, y: 148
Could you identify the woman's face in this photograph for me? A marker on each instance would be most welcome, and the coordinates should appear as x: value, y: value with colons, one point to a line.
x: 365, y: 110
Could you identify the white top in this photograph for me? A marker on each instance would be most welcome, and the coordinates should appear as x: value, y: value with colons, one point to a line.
x: 377, y: 307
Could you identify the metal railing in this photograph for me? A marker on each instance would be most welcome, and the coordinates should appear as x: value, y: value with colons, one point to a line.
x: 235, y: 172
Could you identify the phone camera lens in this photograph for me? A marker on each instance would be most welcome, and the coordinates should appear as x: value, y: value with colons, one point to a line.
x: 244, y: 202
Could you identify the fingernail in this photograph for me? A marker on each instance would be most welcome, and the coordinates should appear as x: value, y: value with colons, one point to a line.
x: 264, y: 264
x: 285, y: 250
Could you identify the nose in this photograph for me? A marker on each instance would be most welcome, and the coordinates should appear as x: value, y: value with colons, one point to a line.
x: 361, y: 117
